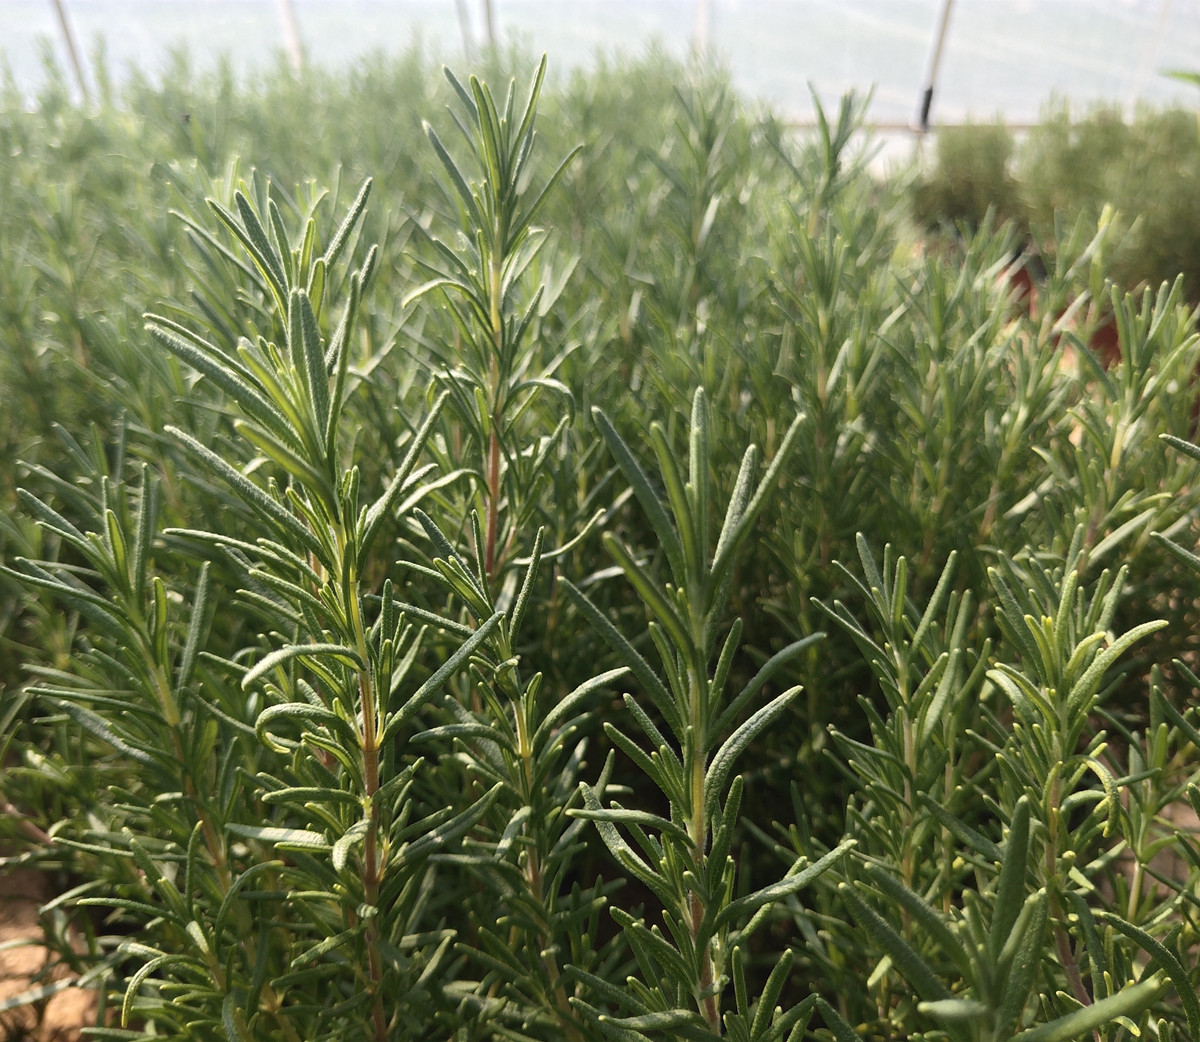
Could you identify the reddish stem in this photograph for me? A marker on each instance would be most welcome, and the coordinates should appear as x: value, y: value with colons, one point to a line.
x: 493, y: 504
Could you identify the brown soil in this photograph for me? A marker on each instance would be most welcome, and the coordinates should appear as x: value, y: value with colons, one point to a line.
x: 26, y: 964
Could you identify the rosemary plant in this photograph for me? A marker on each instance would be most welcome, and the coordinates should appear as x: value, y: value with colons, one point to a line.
x: 683, y: 858
x: 393, y: 675
x: 508, y: 734
x: 1012, y: 933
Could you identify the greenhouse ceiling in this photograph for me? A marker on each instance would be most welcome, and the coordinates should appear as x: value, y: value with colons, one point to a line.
x: 1000, y: 57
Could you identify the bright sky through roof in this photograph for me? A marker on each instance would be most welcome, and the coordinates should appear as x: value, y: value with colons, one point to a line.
x: 1004, y: 57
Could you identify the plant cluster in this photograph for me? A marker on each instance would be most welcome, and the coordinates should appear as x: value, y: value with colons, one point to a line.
x: 631, y: 591
x: 1070, y: 166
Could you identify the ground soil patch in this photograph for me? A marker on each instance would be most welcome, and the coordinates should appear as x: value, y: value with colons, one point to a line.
x: 27, y: 964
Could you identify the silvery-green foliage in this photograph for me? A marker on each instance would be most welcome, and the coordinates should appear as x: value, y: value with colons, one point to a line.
x: 992, y: 813
x: 289, y: 758
x: 330, y: 584
x: 683, y: 857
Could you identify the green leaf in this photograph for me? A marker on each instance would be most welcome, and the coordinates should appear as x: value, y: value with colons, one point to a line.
x: 1011, y: 610
x: 465, y: 196
x: 1087, y: 684
x: 954, y: 1011
x: 338, y: 243
x: 144, y: 534
x: 232, y: 1019
x: 638, y: 817
x: 282, y: 838
x: 904, y: 957
x: 657, y: 769
x: 687, y: 522
x: 924, y: 916
x: 666, y: 1020
x: 521, y: 604
x: 1019, y: 961
x: 30, y: 996
x: 1167, y: 959
x: 1185, y: 555
x: 640, y: 483
x: 1118, y: 534
x: 226, y: 373
x: 326, y: 945
x: 559, y: 712
x: 792, y: 884
x: 394, y: 721
x: 638, y: 666
x: 296, y: 464
x: 758, y: 501
x: 54, y: 521
x: 383, y: 506
x: 254, y: 241
x: 140, y: 976
x: 720, y: 675
x: 337, y: 360
x: 1128, y: 1002
x: 445, y: 553
x: 1188, y: 448
x: 96, y: 725
x: 338, y: 652
x: 261, y: 241
x: 937, y: 601
x: 308, y: 714
x: 842, y: 1032
x: 657, y: 739
x: 735, y: 744
x: 250, y: 493
x: 353, y: 837
x: 767, y: 1002
x: 1186, y: 728
x: 648, y: 591
x: 973, y: 839
x: 1011, y: 890
x: 945, y: 674
x: 438, y: 839
x: 624, y: 854
x: 282, y: 244
x: 316, y: 376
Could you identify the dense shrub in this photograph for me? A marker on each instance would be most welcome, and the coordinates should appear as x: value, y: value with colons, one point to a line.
x: 972, y: 178
x: 391, y: 614
x: 1068, y: 168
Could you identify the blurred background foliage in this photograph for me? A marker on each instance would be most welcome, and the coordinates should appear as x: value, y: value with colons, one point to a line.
x: 1071, y: 165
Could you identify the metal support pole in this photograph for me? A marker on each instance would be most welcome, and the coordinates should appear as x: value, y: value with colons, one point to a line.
x: 1149, y: 58
x: 489, y: 24
x: 935, y: 59
x: 464, y: 24
x: 291, y: 34
x: 700, y: 28
x: 72, y: 52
